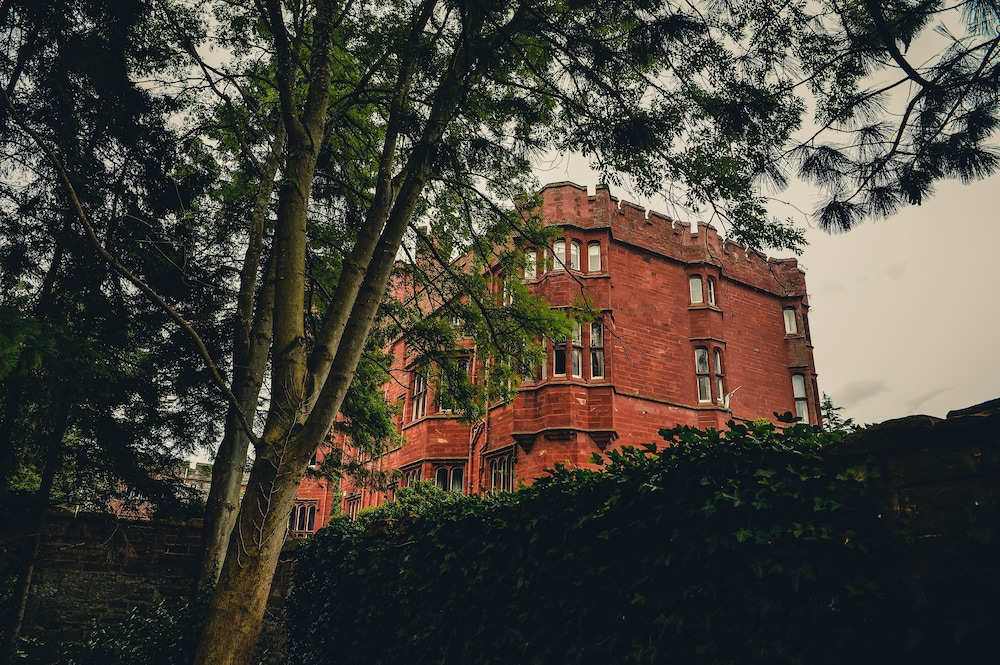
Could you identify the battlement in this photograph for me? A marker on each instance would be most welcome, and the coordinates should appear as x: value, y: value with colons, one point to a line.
x: 568, y: 204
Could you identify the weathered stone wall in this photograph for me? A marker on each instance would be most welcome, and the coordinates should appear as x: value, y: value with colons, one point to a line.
x: 97, y: 567
x: 929, y: 478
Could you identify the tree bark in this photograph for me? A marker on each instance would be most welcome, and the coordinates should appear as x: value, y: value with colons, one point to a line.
x: 237, y: 609
x: 305, y: 397
x: 251, y: 343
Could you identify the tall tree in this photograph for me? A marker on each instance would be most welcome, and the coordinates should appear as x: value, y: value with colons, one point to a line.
x: 387, y: 112
x: 462, y: 94
x: 102, y: 397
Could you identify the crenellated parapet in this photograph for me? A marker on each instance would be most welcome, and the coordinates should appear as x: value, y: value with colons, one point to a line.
x: 569, y: 205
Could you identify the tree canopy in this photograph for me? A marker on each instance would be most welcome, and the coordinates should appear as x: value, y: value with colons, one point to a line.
x: 203, y: 203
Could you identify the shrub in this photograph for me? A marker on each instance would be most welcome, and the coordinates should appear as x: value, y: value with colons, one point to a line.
x: 733, y: 547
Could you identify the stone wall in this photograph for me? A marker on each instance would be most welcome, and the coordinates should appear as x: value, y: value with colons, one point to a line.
x: 931, y: 479
x: 97, y: 567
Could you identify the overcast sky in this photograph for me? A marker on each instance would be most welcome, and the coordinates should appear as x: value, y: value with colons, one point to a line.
x: 904, y: 312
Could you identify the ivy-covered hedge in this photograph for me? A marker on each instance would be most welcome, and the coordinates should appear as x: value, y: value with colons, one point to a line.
x: 741, y: 547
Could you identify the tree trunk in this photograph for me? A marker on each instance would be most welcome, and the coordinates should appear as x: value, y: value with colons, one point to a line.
x: 41, y: 505
x: 237, y: 609
x: 251, y: 343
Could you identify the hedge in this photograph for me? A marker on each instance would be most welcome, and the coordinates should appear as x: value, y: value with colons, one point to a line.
x: 735, y: 547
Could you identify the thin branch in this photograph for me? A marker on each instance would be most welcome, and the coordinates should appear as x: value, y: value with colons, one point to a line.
x: 126, y: 273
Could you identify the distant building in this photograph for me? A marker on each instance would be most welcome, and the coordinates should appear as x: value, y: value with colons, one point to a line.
x: 692, y: 330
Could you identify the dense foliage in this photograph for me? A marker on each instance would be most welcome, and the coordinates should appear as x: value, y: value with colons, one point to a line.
x: 153, y: 151
x: 165, y: 635
x: 734, y: 547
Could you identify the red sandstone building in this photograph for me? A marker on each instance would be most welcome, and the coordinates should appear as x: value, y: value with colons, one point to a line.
x: 692, y: 330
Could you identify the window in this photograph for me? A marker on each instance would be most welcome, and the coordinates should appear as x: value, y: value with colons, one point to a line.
x: 502, y: 473
x: 410, y: 477
x: 597, y: 350
x: 577, y: 353
x: 559, y: 359
x: 708, y: 369
x: 791, y: 323
x: 542, y: 369
x: 574, y: 255
x: 559, y: 255
x: 352, y: 505
x: 801, y: 398
x: 594, y: 257
x: 450, y: 478
x: 720, y: 389
x: 419, y: 396
x: 302, y: 520
x: 448, y: 389
x: 701, y: 368
x: 531, y: 265
x: 710, y: 287
x: 695, y: 283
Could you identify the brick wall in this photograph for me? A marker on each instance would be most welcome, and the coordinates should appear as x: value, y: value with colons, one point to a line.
x: 641, y: 293
x: 94, y: 567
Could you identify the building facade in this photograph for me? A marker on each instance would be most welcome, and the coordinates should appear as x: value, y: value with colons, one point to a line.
x: 689, y: 330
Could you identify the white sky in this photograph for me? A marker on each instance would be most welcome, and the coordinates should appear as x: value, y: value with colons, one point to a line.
x: 904, y: 313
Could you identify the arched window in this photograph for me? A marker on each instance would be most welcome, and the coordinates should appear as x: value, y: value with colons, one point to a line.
x: 710, y: 289
x: 410, y: 477
x: 502, y: 473
x: 531, y: 264
x: 704, y: 374
x: 574, y: 255
x: 801, y: 398
x: 596, y: 350
x: 577, y: 351
x: 559, y: 255
x: 720, y: 389
x: 594, y: 257
x: 695, y: 284
x: 791, y: 322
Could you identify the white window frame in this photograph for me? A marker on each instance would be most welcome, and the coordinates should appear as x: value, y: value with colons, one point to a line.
x: 454, y: 477
x: 791, y: 321
x: 597, y: 368
x: 502, y: 473
x: 558, y: 351
x: 594, y: 257
x: 531, y: 265
x: 574, y: 255
x: 703, y: 374
x: 801, y: 395
x: 419, y: 396
x: 559, y: 255
x: 720, y: 387
x: 694, y: 285
x: 710, y: 290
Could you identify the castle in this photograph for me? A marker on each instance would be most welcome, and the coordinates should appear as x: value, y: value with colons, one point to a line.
x: 691, y: 330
